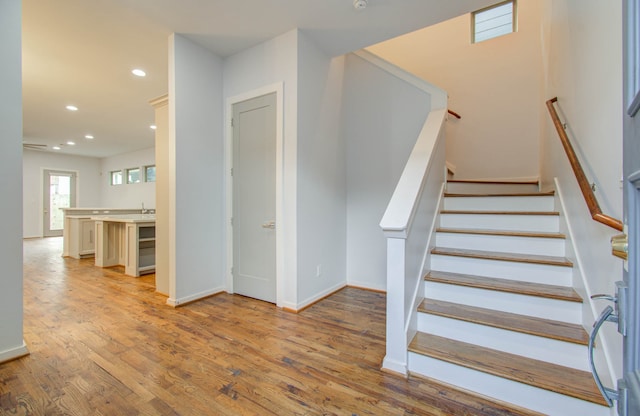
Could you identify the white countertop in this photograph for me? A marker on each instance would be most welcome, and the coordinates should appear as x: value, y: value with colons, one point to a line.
x: 97, y: 211
x: 125, y: 218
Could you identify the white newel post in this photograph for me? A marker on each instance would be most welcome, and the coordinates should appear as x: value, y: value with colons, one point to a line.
x: 396, y: 355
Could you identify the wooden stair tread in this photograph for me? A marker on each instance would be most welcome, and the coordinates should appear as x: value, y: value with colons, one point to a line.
x: 513, y: 257
x: 483, y: 212
x: 552, y: 377
x: 505, y: 233
x: 481, y: 181
x: 484, y: 195
x: 561, y: 331
x: 505, y: 285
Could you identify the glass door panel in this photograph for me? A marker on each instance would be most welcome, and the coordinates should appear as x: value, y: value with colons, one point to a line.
x: 59, y: 192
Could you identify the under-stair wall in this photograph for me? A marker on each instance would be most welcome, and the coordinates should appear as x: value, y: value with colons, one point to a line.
x: 409, y: 217
x: 384, y: 111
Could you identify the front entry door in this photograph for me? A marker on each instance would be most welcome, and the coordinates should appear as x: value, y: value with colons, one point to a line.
x: 631, y: 172
x: 59, y: 192
x: 254, y: 202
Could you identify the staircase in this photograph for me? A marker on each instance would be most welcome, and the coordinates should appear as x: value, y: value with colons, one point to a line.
x: 500, y: 316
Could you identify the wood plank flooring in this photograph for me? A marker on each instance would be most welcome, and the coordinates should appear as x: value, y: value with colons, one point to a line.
x: 103, y: 343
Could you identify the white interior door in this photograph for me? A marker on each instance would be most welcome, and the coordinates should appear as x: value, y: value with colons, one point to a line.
x: 59, y: 192
x: 254, y: 202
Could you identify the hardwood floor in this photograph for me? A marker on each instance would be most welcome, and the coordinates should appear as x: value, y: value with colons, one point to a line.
x: 103, y: 343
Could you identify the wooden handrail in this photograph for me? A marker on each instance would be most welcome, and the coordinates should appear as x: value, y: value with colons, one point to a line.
x: 585, y: 187
x: 453, y: 113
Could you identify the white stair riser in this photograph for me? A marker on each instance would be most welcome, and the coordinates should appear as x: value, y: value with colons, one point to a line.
x: 490, y: 188
x: 500, y: 203
x: 541, y: 223
x: 564, y: 353
x: 500, y: 243
x: 536, y: 273
x: 556, y: 310
x: 523, y: 395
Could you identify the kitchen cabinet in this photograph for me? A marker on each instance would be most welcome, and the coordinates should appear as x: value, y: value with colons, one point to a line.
x: 127, y: 240
x: 141, y: 248
x: 81, y: 241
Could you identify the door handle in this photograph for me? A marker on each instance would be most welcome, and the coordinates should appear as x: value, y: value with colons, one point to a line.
x: 269, y: 224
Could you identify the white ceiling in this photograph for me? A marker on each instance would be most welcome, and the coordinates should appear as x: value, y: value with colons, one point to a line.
x: 81, y: 52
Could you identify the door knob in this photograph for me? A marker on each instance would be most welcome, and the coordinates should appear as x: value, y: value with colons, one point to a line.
x: 270, y: 224
x: 620, y: 246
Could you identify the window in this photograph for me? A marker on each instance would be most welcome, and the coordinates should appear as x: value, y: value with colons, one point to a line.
x: 116, y: 177
x: 494, y: 21
x: 133, y: 175
x: 149, y: 173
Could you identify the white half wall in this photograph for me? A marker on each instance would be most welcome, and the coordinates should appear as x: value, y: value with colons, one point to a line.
x: 496, y: 86
x: 382, y: 118
x: 11, y: 342
x: 321, y: 191
x: 88, y: 185
x: 584, y: 43
x: 127, y: 195
x: 195, y: 172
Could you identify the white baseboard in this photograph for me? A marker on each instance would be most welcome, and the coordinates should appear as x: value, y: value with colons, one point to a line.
x: 13, y: 353
x: 367, y: 286
x: 319, y: 296
x: 196, y: 296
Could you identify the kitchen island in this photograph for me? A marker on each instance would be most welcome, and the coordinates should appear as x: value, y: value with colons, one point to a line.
x: 127, y: 240
x: 78, y: 235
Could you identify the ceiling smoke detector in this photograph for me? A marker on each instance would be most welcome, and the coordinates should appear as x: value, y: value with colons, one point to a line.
x: 359, y: 4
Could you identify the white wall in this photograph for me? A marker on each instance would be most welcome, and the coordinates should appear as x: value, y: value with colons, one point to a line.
x: 382, y: 118
x: 127, y: 195
x: 495, y: 85
x: 161, y: 106
x: 195, y: 171
x: 275, y: 61
x: 584, y: 43
x: 321, y: 191
x: 11, y: 342
x: 33, y: 163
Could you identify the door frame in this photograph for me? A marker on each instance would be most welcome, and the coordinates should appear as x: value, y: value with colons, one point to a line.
x: 631, y: 273
x: 76, y: 190
x: 278, y: 89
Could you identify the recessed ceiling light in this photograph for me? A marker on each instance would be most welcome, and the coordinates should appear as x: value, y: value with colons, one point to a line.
x: 359, y: 4
x: 139, y: 72
x: 88, y: 136
x: 153, y: 127
x: 72, y: 108
x: 56, y: 147
x: 70, y: 143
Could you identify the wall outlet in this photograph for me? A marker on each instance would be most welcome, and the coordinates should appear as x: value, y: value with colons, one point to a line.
x: 319, y: 270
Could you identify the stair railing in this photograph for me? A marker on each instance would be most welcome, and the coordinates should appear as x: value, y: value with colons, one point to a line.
x: 407, y: 225
x: 453, y: 113
x: 585, y: 187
